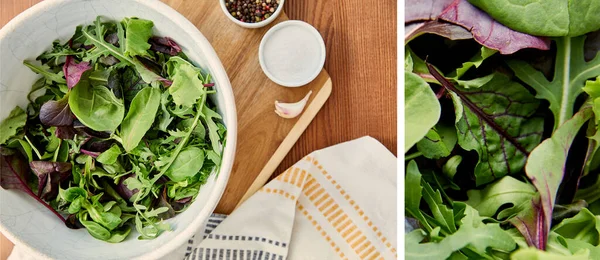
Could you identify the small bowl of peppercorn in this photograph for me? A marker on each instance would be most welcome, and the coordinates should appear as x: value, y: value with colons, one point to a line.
x: 252, y: 13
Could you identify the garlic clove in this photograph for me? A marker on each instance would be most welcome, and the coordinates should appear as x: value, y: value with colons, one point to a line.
x: 291, y: 110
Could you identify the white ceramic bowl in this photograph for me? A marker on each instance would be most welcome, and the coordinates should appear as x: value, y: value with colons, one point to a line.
x: 252, y: 25
x: 29, y: 224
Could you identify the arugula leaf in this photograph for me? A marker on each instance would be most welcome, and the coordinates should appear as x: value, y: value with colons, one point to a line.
x: 506, y: 190
x: 535, y: 254
x: 43, y: 70
x: 12, y: 124
x: 421, y: 108
x: 570, y: 73
x: 137, y: 33
x: 443, y: 215
x: 497, y: 121
x: 584, y: 227
x: 208, y: 116
x: 140, y: 117
x: 96, y: 107
x: 545, y: 18
x: 546, y: 164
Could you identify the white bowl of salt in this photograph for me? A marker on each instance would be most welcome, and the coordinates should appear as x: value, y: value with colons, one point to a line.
x: 292, y: 53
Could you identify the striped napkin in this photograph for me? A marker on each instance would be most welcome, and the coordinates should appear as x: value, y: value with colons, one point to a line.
x: 336, y: 203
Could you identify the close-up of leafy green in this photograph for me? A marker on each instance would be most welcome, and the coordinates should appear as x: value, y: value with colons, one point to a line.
x: 502, y: 108
x: 119, y: 132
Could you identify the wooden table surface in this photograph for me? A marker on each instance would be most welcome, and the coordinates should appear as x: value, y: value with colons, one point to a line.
x: 360, y: 37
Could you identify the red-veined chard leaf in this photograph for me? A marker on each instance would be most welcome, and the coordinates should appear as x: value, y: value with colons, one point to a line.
x: 497, y: 121
x: 546, y: 164
x: 56, y: 113
x: 14, y: 173
x: 73, y: 70
x: 50, y: 174
x: 570, y: 73
x: 531, y: 223
x: 485, y: 30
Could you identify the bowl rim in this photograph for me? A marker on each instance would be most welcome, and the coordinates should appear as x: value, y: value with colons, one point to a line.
x: 252, y: 25
x: 217, y: 71
x: 321, y: 43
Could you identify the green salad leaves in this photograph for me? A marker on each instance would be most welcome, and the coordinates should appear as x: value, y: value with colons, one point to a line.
x: 120, y: 133
x: 502, y: 147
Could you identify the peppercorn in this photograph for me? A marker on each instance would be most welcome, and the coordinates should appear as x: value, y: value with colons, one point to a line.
x: 251, y: 11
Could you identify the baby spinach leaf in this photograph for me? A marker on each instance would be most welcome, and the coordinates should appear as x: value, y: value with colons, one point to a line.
x: 56, y: 113
x: 545, y: 18
x: 109, y: 156
x: 438, y: 142
x: 137, y: 33
x: 187, y: 87
x: 187, y: 164
x: 570, y: 73
x: 421, y: 108
x: 140, y: 117
x: 546, y: 164
x: 506, y: 190
x: 11, y: 125
x: 96, y: 107
x: 495, y: 120
x: 485, y: 30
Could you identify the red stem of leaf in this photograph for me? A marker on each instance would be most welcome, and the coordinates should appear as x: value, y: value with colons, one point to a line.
x: 30, y: 193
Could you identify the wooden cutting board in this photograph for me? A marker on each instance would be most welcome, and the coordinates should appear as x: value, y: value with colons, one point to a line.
x: 263, y: 137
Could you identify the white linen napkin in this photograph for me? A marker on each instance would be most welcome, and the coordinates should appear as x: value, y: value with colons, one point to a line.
x: 336, y: 203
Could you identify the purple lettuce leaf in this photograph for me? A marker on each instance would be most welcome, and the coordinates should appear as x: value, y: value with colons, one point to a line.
x: 56, y: 113
x: 446, y: 30
x: 65, y: 132
x: 73, y: 222
x: 122, y: 188
x: 73, y: 71
x: 546, y: 164
x: 164, y: 45
x: 484, y: 29
x: 163, y: 201
x: 50, y: 174
x: 13, y: 175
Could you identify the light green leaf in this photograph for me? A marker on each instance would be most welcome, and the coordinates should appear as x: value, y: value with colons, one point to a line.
x: 412, y: 194
x: 119, y: 235
x: 570, y: 73
x: 96, y: 107
x: 208, y: 117
x: 472, y: 232
x: 187, y: 87
x: 451, y: 166
x: 475, y: 61
x: 137, y: 33
x: 592, y: 88
x: 139, y: 119
x: 109, y: 156
x: 11, y: 125
x: 546, y: 163
x: 495, y: 195
x: 584, y: 227
x: 580, y: 247
x: 421, y: 108
x: 531, y: 253
x: 442, y: 214
x: 96, y: 230
x: 438, y: 142
x: 545, y: 18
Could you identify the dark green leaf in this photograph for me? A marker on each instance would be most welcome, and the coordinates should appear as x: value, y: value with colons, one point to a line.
x: 187, y: 164
x: 438, y: 142
x: 96, y: 230
x: 96, y: 107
